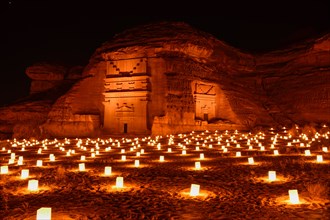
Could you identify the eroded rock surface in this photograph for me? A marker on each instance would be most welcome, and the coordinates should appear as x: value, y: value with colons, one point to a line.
x: 171, y: 78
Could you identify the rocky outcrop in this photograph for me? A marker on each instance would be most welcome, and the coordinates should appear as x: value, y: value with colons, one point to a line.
x: 46, y: 76
x: 24, y: 119
x: 284, y: 87
x: 296, y: 81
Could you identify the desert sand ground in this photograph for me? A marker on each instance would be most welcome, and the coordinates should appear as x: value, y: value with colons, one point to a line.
x: 230, y: 187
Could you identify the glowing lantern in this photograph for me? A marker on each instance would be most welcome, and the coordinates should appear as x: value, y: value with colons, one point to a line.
x: 225, y: 150
x: 123, y: 157
x: 3, y: 169
x: 82, y: 167
x: 39, y: 163
x: 250, y: 160
x: 319, y: 158
x: 44, y: 214
x: 271, y: 175
x: 197, y: 148
x: 198, y: 165
x: 97, y: 152
x: 201, y: 156
x: 169, y: 150
x: 20, y: 162
x: 262, y: 148
x: 68, y: 153
x: 142, y: 151
x: 294, y: 197
x: 250, y: 148
x: 238, y: 154
x: 33, y: 185
x: 52, y: 158
x: 120, y: 182
x: 210, y: 145
x: 24, y: 174
x: 161, y: 158
x: 184, y: 152
x: 107, y: 171
x: 324, y: 149
x: 11, y: 161
x: 12, y: 156
x: 272, y: 146
x: 194, y: 190
x: 238, y: 146
x: 9, y: 151
x: 138, y: 154
x: 275, y: 152
x: 122, y: 151
x: 307, y: 152
x: 136, y: 163
x: 92, y: 155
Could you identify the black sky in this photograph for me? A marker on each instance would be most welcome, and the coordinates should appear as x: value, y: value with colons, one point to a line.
x: 69, y: 31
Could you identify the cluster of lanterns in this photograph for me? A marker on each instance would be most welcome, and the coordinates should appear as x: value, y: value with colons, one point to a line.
x: 230, y: 144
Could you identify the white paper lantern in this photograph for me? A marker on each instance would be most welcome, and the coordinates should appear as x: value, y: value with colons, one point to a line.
x: 82, y: 167
x: 44, y: 213
x: 197, y: 165
x: 107, y: 171
x: 4, y: 170
x: 194, y: 190
x: 33, y: 185
x: 120, y: 182
x: 319, y: 158
x: 24, y: 174
x: 39, y: 163
x: 294, y: 197
x: 271, y: 175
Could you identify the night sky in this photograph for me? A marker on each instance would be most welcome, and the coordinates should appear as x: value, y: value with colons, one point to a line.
x: 69, y: 31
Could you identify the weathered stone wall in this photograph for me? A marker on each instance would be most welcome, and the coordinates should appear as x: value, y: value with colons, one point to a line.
x: 297, y: 80
x: 156, y: 105
x: 80, y: 111
x: 283, y: 87
x: 24, y: 120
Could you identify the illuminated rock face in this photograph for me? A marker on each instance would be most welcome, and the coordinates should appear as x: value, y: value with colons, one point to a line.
x: 170, y: 78
x: 297, y: 80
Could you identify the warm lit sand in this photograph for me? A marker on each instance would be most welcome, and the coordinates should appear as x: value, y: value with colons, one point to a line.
x: 230, y: 188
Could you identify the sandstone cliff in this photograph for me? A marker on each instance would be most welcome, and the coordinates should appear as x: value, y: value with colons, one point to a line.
x: 283, y: 87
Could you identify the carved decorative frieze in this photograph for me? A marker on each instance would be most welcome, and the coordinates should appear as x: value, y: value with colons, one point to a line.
x: 127, y: 67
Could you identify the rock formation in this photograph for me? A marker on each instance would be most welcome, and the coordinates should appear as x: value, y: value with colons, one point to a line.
x: 169, y: 78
